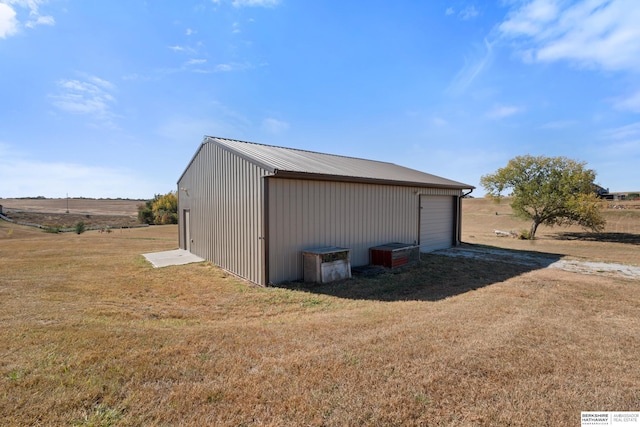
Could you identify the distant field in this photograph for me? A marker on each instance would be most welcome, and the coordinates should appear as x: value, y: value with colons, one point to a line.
x: 75, y: 206
x: 93, y: 335
x: 113, y: 213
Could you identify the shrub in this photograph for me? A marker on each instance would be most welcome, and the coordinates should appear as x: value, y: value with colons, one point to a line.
x: 525, y: 235
x: 80, y: 227
x: 633, y: 196
x: 145, y: 214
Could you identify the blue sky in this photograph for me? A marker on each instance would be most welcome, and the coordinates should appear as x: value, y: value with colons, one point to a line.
x: 112, y: 98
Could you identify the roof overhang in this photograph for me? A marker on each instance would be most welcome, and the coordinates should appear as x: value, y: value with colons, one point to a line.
x: 361, y: 180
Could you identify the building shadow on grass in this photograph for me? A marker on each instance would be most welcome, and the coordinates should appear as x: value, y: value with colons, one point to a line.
x: 628, y: 238
x: 437, y: 276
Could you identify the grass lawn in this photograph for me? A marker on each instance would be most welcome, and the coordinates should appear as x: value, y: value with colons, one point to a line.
x: 93, y: 335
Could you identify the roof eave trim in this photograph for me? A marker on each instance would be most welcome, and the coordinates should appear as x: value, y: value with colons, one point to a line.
x: 343, y: 178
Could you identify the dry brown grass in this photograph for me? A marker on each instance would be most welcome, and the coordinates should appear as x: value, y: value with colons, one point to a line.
x: 92, y: 335
x: 619, y: 242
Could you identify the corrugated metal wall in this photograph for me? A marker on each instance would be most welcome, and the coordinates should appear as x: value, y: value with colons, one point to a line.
x: 224, y: 196
x: 304, y: 214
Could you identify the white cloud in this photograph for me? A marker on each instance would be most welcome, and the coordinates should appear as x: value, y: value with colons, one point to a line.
x: 274, y: 126
x: 503, y: 111
x: 449, y: 11
x: 91, y: 96
x: 8, y: 21
x: 468, y: 13
x: 589, y: 33
x: 260, y: 3
x: 531, y: 18
x: 630, y: 103
x: 40, y: 20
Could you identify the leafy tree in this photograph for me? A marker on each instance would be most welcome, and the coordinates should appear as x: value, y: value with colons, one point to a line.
x: 162, y: 209
x: 548, y: 190
x: 165, y: 209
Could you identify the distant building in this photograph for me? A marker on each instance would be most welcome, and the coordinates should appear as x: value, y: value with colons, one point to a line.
x: 604, y: 193
x: 252, y: 209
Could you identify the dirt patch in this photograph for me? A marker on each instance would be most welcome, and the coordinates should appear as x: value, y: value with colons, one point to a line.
x: 537, y: 260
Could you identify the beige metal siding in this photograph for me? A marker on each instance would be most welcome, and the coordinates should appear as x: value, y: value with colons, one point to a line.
x: 437, y: 222
x: 224, y: 196
x: 305, y: 214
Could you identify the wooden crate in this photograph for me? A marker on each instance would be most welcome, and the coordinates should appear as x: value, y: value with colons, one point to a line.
x: 393, y: 255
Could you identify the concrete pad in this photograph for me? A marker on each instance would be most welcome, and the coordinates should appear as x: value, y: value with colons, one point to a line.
x: 175, y: 257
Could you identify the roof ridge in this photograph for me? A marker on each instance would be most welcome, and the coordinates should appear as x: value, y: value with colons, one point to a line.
x: 301, y: 150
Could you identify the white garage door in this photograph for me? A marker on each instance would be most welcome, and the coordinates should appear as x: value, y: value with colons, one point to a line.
x: 436, y: 223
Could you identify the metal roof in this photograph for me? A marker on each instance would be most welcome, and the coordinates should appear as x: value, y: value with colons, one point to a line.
x: 295, y: 163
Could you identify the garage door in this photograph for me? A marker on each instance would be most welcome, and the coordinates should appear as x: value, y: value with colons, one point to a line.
x: 436, y: 222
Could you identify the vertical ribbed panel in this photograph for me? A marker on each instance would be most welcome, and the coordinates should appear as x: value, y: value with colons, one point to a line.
x: 304, y: 214
x: 225, y: 199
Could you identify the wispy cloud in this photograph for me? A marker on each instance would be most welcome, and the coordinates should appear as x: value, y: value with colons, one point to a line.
x: 631, y: 131
x: 590, y: 33
x: 179, y: 48
x: 91, y: 96
x: 274, y: 126
x: 629, y: 103
x: 195, y: 61
x: 468, y: 13
x: 259, y: 3
x: 503, y: 111
x: 471, y: 69
x: 622, y: 144
x: 438, y: 121
x: 9, y: 17
x: 559, y: 124
x: 40, y: 20
x: 232, y: 66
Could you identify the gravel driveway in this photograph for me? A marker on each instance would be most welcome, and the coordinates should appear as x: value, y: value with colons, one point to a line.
x: 541, y: 261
